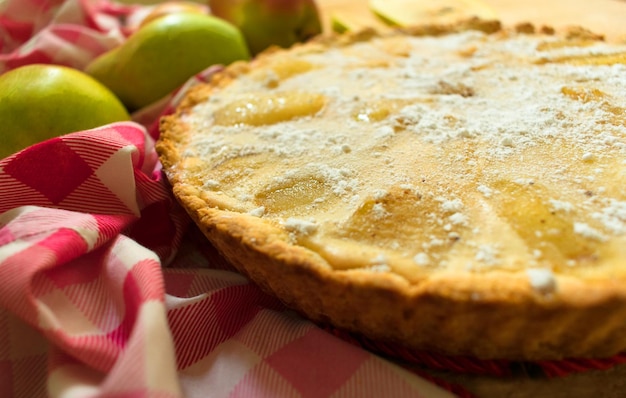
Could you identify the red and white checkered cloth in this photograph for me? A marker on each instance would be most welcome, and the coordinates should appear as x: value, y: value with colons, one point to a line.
x: 106, y: 290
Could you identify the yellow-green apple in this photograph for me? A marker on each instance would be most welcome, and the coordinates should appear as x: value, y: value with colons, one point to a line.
x: 270, y: 22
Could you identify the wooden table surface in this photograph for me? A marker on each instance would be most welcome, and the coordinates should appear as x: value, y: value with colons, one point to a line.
x: 607, y: 17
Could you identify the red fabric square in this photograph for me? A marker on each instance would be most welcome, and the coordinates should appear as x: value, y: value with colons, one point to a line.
x: 19, y: 31
x: 6, y: 376
x: 51, y: 168
x: 70, y: 33
x: 83, y: 270
x: 202, y: 325
x: 178, y: 284
x: 245, y: 300
x: 37, y: 56
x: 132, y: 301
x: 317, y: 364
x: 66, y: 244
x: 154, y: 228
x: 194, y: 332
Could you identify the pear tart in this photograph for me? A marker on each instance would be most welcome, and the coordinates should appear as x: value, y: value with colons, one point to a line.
x: 454, y: 189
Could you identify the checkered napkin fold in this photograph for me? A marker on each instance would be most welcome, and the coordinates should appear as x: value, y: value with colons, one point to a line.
x: 104, y: 288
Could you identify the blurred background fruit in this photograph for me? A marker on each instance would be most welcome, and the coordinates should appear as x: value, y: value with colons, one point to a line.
x: 173, y: 7
x: 38, y: 102
x: 163, y: 54
x: 151, y: 2
x: 270, y: 22
x: 416, y: 12
x: 348, y: 15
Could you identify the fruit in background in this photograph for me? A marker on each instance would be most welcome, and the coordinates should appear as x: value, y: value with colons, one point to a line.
x: 415, y: 12
x: 151, y: 2
x: 159, y: 57
x: 349, y: 15
x: 341, y: 22
x: 41, y: 101
x: 173, y: 7
x: 270, y: 22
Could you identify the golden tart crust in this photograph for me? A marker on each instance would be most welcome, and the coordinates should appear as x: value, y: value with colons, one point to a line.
x: 459, y: 189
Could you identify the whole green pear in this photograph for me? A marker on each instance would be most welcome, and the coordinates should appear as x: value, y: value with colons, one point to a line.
x: 270, y: 22
x: 41, y: 101
x: 163, y: 54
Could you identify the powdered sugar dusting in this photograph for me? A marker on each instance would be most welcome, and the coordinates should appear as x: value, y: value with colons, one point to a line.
x: 441, y: 141
x: 542, y: 280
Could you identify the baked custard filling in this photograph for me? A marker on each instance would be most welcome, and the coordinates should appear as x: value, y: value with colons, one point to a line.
x: 419, y: 156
